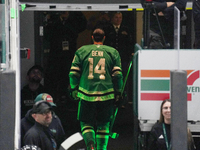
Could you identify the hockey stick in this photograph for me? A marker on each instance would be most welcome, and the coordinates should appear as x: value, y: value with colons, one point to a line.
x: 73, y: 139
x: 114, y: 135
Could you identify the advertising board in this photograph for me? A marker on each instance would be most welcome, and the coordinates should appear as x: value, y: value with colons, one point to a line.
x: 82, y: 1
x: 154, y: 68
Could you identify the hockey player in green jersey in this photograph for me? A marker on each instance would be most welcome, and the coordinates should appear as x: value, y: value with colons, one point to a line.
x: 96, y: 79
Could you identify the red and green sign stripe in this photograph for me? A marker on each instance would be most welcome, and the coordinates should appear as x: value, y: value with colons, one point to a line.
x: 155, y: 84
x: 194, y: 76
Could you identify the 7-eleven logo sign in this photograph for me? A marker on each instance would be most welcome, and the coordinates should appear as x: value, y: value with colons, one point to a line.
x: 155, y: 84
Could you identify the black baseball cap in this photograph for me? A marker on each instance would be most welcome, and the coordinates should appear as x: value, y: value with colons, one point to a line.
x: 41, y: 107
x: 35, y: 67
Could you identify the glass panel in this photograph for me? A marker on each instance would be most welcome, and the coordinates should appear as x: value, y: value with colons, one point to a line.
x: 176, y: 28
x: 2, y: 34
x: 177, y: 33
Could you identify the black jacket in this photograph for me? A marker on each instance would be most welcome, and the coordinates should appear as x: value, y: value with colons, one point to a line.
x: 166, y: 21
x: 196, y: 17
x: 55, y: 127
x: 156, y: 139
x: 58, y: 30
x: 121, y: 41
x: 28, y: 97
x: 40, y: 136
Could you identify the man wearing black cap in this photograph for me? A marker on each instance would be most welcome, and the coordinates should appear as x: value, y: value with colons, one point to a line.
x: 40, y: 134
x: 55, y: 127
x: 32, y: 89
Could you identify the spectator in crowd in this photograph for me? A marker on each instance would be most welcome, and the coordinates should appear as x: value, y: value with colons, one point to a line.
x: 99, y: 20
x: 55, y: 126
x: 163, y: 27
x: 96, y: 78
x: 32, y: 89
x: 160, y: 136
x: 196, y: 17
x: 103, y: 21
x: 39, y: 134
x: 119, y: 37
x: 61, y: 31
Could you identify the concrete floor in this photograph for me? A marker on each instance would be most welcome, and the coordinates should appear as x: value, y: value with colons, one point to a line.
x: 123, y: 126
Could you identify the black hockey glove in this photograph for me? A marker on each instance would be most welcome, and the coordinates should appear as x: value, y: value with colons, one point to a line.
x: 118, y: 99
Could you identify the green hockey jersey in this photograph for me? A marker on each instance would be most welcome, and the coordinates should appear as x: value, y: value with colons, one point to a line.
x: 96, y: 69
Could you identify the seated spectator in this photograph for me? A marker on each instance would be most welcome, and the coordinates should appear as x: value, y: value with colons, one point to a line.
x: 55, y: 126
x: 40, y: 134
x: 161, y: 17
x: 160, y: 135
x: 32, y: 89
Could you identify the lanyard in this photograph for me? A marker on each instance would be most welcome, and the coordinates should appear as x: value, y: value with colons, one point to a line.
x: 165, y: 136
x: 53, y: 143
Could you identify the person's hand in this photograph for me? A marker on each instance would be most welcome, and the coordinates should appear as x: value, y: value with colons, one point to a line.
x: 160, y: 13
x: 170, y: 4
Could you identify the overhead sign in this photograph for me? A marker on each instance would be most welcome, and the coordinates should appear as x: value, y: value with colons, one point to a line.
x: 83, y: 1
x: 154, y: 68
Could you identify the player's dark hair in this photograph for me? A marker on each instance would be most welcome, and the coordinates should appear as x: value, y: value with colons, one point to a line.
x: 98, y: 36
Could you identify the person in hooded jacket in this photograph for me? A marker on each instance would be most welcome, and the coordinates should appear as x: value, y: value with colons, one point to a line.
x: 55, y: 127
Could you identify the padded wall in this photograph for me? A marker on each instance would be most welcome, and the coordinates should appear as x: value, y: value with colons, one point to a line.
x: 7, y: 110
